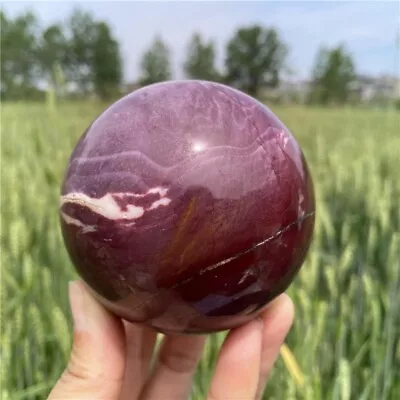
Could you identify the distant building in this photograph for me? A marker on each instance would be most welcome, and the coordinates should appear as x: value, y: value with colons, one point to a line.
x: 367, y: 89
x: 370, y: 89
x: 295, y: 91
x: 288, y: 92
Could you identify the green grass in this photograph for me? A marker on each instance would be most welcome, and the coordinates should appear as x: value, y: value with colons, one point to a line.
x: 347, y: 329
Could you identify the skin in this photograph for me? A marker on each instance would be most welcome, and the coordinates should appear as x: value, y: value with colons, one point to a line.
x: 111, y: 359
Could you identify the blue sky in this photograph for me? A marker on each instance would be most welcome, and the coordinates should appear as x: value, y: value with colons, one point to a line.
x: 368, y: 29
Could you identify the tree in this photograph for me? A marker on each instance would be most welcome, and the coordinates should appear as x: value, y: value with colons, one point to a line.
x: 82, y: 30
x: 255, y: 58
x: 107, y: 72
x: 94, y: 60
x: 200, y: 62
x: 83, y: 51
x: 19, y: 68
x: 333, y: 73
x: 53, y: 55
x: 155, y: 64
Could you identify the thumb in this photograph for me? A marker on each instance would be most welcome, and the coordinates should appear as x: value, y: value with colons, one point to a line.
x: 96, y: 366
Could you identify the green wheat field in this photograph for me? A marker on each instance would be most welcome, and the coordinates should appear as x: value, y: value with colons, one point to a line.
x: 345, y: 342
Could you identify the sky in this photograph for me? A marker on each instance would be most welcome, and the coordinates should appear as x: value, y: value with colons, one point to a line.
x: 368, y: 29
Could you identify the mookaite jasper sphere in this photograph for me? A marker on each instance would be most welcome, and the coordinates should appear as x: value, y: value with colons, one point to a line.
x: 187, y: 206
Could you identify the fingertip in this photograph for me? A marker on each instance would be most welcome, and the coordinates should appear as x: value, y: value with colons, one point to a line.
x: 287, y: 306
x: 243, y: 341
x: 238, y: 364
x: 279, y: 314
x: 277, y: 318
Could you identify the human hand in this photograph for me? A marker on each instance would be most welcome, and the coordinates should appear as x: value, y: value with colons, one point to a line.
x: 111, y: 359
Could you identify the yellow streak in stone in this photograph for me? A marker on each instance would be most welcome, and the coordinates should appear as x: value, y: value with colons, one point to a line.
x: 174, y: 251
x: 105, y: 206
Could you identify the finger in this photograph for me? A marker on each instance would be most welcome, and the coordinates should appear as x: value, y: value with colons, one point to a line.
x: 238, y: 365
x: 177, y: 361
x: 140, y: 342
x: 96, y: 365
x: 277, y: 319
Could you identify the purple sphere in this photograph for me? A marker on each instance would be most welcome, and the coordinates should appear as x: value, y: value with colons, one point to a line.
x: 187, y: 206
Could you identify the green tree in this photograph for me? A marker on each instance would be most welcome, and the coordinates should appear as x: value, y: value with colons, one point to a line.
x: 82, y: 32
x: 83, y: 51
x: 94, y: 59
x: 332, y: 76
x: 107, y: 73
x: 255, y: 58
x: 53, y: 55
x: 155, y: 64
x: 19, y: 45
x: 200, y: 62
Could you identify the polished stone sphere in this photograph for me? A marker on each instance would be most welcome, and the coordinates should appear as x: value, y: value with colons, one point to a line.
x: 187, y: 206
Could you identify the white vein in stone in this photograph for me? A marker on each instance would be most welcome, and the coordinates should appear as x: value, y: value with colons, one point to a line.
x: 109, y: 208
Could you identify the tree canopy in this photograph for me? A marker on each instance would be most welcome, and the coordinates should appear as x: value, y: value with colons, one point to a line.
x: 83, y: 50
x: 255, y: 58
x: 81, y: 56
x: 19, y: 46
x: 200, y: 61
x: 155, y: 65
x: 332, y: 75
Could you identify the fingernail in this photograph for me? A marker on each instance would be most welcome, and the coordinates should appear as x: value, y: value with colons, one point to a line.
x: 76, y: 301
